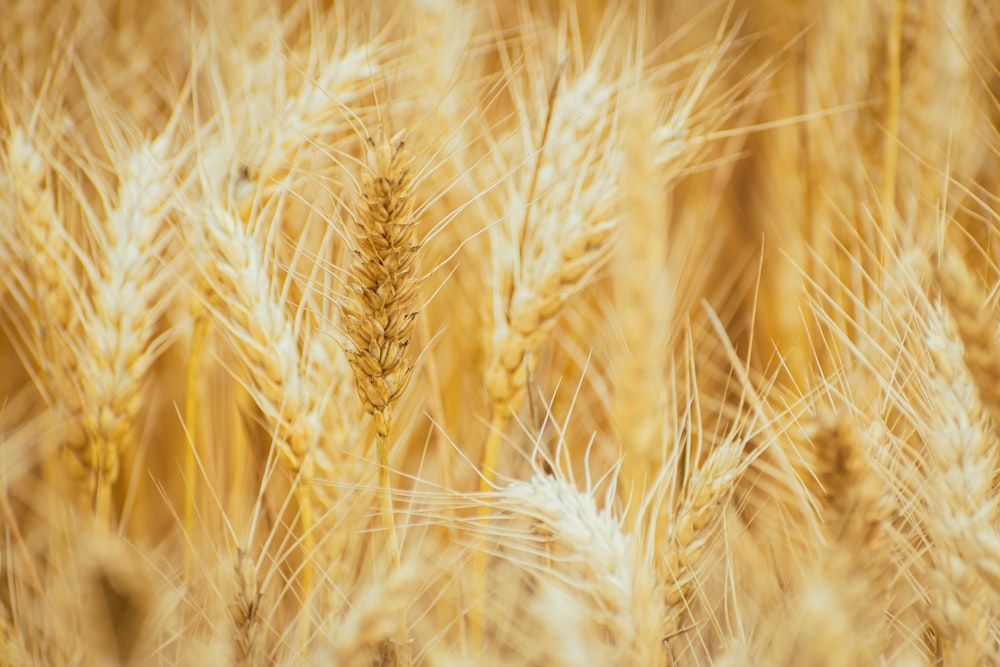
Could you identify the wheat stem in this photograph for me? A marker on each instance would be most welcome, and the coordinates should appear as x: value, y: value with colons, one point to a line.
x: 491, y: 452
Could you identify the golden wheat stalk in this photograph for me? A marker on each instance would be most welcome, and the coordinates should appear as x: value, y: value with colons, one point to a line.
x: 117, y: 288
x: 559, y: 215
x: 287, y: 366
x: 379, y: 316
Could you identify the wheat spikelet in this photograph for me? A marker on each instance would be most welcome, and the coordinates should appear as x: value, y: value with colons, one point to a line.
x: 692, y: 525
x: 379, y: 319
x: 45, y: 290
x: 112, y: 290
x: 125, y: 301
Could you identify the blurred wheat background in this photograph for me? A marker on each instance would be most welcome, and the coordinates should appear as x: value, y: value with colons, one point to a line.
x: 448, y: 332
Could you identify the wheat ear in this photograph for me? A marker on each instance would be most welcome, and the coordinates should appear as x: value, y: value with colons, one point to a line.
x: 45, y: 289
x: 129, y: 292
x: 245, y: 610
x: 557, y: 533
x: 116, y: 303
x: 279, y: 352
x: 380, y: 314
x: 977, y: 327
x: 568, y: 201
x: 961, y: 510
x: 693, y: 524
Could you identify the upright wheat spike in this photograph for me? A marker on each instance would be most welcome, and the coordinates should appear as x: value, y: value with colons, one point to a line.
x: 42, y: 280
x: 693, y: 523
x: 128, y: 294
x: 379, y: 317
x: 548, y: 253
x: 245, y: 610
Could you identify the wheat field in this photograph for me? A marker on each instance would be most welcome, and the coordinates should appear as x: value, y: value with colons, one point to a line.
x: 448, y: 332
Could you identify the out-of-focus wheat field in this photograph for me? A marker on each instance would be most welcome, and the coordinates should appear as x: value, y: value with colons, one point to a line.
x: 447, y: 332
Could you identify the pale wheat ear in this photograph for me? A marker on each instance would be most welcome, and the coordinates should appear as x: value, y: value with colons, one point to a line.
x: 977, y: 326
x: 246, y: 610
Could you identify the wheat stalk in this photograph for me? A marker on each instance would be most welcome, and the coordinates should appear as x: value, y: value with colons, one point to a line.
x: 549, y: 252
x: 379, y: 317
x: 289, y: 370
